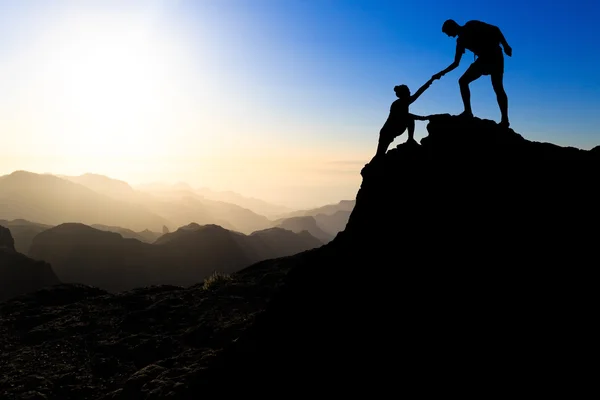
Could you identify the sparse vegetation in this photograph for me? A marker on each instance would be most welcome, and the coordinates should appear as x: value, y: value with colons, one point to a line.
x: 215, y: 278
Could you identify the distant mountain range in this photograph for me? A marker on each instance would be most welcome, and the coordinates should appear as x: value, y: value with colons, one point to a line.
x: 322, y: 222
x: 329, y: 209
x: 146, y: 236
x: 50, y: 200
x: 114, y: 205
x: 99, y: 231
x: 256, y: 205
x: 177, y: 204
x: 24, y: 231
x: 81, y: 254
x: 308, y: 224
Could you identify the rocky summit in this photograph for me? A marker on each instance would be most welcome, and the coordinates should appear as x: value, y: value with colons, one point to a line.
x: 467, y: 267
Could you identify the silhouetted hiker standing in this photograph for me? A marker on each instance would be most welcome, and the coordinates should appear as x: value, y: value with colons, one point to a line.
x: 400, y: 119
x: 484, y: 41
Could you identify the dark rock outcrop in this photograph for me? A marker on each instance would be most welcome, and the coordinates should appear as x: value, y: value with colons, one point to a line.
x: 18, y: 273
x: 6, y: 240
x: 488, y: 266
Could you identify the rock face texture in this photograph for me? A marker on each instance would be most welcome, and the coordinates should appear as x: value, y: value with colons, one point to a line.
x: 467, y: 266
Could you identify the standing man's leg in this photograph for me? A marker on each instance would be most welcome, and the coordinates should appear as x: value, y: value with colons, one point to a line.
x: 498, y: 85
x: 472, y: 73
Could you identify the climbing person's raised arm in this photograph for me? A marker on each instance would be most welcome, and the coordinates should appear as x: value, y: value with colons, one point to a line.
x: 457, y: 56
x: 420, y: 91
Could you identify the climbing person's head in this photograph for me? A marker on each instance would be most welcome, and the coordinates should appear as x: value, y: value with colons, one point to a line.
x: 402, y: 91
x: 450, y: 27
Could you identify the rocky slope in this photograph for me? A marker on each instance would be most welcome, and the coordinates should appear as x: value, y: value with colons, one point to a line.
x: 80, y: 342
x: 486, y: 285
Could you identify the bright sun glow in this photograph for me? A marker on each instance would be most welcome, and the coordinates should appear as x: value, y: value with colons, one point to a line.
x: 144, y: 94
x: 109, y: 87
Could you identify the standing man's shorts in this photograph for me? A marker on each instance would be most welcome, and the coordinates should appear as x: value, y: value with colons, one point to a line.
x: 490, y: 63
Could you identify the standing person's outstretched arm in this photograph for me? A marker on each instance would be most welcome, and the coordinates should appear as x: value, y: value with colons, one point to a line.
x: 420, y: 91
x: 457, y: 56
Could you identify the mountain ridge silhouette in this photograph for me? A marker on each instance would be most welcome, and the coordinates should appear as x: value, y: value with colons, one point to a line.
x: 86, y: 255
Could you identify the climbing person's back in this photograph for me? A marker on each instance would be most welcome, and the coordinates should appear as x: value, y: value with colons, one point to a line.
x: 479, y: 37
x: 398, y: 111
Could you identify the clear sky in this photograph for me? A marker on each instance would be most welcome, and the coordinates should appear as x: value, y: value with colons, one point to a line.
x: 278, y: 99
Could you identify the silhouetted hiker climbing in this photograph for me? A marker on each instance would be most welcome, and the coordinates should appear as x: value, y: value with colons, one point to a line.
x: 484, y: 41
x: 400, y: 119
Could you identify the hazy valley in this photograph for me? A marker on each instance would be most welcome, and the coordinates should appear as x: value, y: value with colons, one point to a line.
x: 98, y: 231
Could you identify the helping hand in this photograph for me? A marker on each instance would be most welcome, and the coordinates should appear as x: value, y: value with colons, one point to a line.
x: 437, y: 76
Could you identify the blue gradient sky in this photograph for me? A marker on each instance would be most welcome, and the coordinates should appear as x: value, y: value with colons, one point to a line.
x: 314, y: 78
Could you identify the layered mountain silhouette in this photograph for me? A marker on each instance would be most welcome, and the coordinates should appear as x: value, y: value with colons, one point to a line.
x: 334, y: 223
x: 114, y: 188
x: 18, y: 273
x: 258, y: 206
x: 323, y: 222
x: 50, y: 200
x: 486, y: 283
x: 113, y: 205
x: 146, y: 235
x: 178, y: 204
x: 329, y: 209
x: 23, y: 232
x: 307, y: 223
x: 82, y: 254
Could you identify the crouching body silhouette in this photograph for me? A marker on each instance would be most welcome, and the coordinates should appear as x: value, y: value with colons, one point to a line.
x: 400, y: 119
